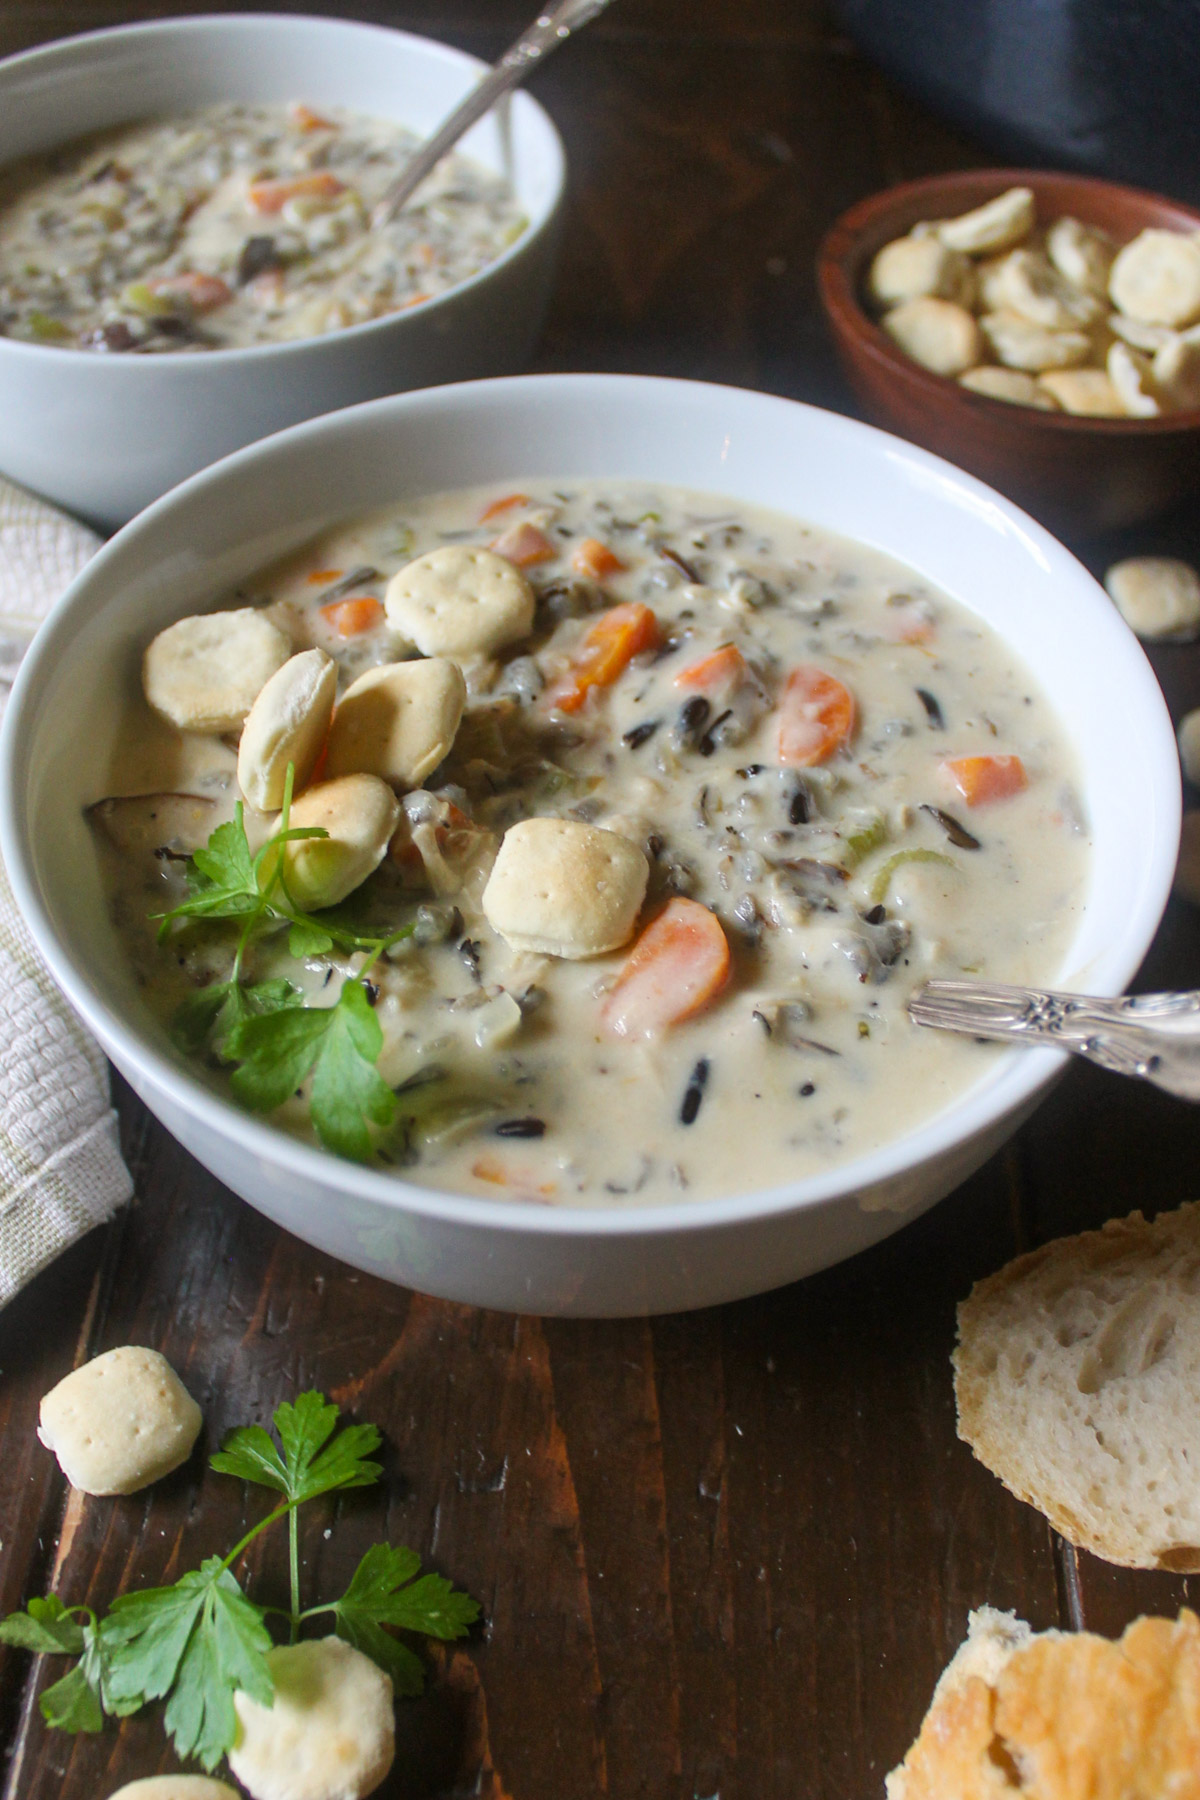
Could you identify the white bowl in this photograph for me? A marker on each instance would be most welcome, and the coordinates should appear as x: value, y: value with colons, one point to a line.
x: 187, y: 550
x: 104, y: 435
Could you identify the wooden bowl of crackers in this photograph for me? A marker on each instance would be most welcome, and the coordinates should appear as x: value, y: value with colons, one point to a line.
x: 1040, y: 330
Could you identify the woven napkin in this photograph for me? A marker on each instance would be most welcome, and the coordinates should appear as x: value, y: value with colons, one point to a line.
x: 60, y: 1165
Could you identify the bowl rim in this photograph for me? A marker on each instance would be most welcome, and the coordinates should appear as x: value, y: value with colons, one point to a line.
x: 1016, y: 1081
x: 180, y: 26
x: 839, y: 250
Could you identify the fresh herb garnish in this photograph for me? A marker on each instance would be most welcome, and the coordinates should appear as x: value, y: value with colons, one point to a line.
x: 198, y: 1642
x: 265, y: 1027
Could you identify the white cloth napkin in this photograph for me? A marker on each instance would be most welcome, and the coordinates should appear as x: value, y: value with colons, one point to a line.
x: 60, y: 1165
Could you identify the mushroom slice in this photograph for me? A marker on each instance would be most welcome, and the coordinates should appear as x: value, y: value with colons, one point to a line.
x: 150, y: 824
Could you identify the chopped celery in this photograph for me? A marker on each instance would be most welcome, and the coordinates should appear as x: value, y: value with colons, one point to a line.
x: 883, y: 876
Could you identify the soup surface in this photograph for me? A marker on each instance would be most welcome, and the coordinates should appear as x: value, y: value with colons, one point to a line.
x: 233, y: 226
x: 839, y: 780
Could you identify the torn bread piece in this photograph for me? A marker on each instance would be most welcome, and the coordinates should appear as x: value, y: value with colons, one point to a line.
x: 460, y: 601
x: 1061, y: 1716
x: 1077, y: 1378
x: 398, y: 721
x: 565, y: 889
x: 330, y: 1734
x: 288, y: 723
x: 120, y: 1422
x: 205, y: 673
x: 359, y: 813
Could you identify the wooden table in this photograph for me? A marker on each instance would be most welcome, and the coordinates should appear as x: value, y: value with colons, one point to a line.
x: 718, y: 1554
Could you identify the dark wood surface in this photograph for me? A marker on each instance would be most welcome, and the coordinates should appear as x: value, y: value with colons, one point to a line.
x: 723, y: 1554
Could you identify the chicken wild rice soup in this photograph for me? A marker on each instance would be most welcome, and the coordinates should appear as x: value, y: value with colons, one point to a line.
x: 233, y: 226
x: 646, y: 813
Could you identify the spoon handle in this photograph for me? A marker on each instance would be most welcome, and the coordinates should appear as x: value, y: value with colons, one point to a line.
x: 548, y: 31
x: 1153, y: 1036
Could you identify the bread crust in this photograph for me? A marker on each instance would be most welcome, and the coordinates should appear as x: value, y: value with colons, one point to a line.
x: 1077, y: 1377
x: 1068, y: 1716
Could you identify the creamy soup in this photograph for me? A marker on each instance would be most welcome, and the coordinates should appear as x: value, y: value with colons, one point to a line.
x: 233, y: 226
x: 813, y: 781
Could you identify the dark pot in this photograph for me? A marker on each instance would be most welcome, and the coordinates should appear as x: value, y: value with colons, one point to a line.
x: 1104, y: 85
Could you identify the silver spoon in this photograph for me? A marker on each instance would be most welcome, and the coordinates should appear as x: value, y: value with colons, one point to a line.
x: 548, y: 31
x: 1154, y: 1036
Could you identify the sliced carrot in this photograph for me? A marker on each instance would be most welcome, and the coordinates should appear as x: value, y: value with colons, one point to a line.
x: 679, y: 964
x: 200, y: 292
x: 724, y: 668
x: 816, y: 717
x: 524, y: 545
x: 606, y: 652
x: 504, y: 504
x: 273, y: 196
x: 981, y: 779
x: 595, y: 560
x: 351, y: 617
x: 305, y: 119
x: 322, y: 577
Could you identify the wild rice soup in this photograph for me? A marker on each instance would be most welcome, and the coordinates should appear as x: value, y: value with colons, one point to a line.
x: 232, y: 226
x: 787, y: 782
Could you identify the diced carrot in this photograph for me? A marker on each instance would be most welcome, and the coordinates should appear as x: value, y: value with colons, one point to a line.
x: 679, y: 964
x: 522, y: 1181
x: 724, y: 668
x: 273, y: 196
x: 351, y: 617
x: 415, y: 300
x: 305, y: 119
x: 524, y: 545
x: 981, y: 779
x: 816, y: 717
x: 607, y: 650
x: 909, y: 625
x: 595, y: 560
x: 200, y: 292
x: 504, y: 504
x: 322, y: 577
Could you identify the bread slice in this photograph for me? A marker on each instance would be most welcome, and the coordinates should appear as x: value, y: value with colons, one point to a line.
x: 1061, y: 1716
x: 1077, y: 1376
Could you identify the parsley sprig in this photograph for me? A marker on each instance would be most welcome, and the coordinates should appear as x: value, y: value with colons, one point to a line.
x: 265, y: 1027
x: 201, y: 1640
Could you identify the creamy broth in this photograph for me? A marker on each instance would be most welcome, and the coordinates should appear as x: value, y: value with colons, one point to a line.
x: 234, y: 226
x: 839, y: 884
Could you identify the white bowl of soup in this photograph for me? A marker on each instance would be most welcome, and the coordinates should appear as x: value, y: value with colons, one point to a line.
x: 846, y: 713
x: 189, y: 263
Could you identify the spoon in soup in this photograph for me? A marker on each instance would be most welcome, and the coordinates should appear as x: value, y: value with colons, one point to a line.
x: 548, y: 31
x: 1153, y: 1036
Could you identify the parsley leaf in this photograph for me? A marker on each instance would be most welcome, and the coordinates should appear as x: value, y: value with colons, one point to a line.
x: 310, y: 1464
x: 212, y: 1013
x: 46, y: 1627
x: 382, y: 1592
x: 197, y: 1641
x: 340, y: 1045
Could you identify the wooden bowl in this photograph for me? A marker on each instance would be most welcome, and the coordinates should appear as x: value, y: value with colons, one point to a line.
x: 1077, y: 475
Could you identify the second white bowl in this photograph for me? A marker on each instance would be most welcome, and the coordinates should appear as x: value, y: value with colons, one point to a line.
x: 105, y: 435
